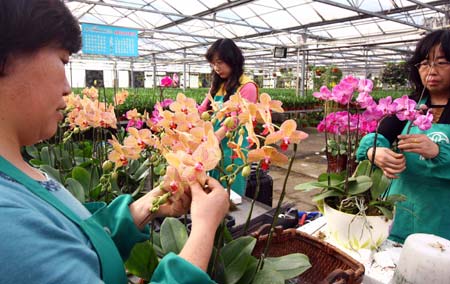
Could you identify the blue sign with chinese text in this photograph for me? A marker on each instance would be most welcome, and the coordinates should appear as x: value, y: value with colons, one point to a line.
x: 107, y: 40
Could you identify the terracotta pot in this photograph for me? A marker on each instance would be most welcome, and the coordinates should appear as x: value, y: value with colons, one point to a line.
x: 354, y: 231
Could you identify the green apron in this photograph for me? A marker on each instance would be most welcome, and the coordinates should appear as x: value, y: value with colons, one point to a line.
x: 112, y: 267
x: 240, y: 183
x: 426, y: 184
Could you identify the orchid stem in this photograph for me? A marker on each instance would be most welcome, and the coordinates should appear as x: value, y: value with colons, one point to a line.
x: 277, y: 211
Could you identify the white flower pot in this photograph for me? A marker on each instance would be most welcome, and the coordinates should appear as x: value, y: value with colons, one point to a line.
x: 356, y: 232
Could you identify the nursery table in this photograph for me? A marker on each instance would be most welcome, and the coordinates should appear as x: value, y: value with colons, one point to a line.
x: 380, y: 265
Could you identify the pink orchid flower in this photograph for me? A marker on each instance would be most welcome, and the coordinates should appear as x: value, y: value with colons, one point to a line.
x: 166, y: 81
x: 405, y: 108
x: 423, y: 122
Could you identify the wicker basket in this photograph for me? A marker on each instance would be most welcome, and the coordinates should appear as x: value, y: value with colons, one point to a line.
x: 329, y: 264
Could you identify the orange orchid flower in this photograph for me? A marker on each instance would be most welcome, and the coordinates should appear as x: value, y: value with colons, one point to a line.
x: 288, y: 134
x: 268, y: 155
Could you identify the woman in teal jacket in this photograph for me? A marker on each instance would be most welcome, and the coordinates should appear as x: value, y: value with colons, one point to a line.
x: 420, y: 169
x: 47, y: 236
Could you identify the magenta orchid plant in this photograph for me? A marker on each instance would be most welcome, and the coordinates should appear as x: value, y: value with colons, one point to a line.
x: 366, y: 186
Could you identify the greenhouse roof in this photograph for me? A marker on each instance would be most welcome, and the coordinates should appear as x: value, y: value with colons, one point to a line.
x: 356, y: 35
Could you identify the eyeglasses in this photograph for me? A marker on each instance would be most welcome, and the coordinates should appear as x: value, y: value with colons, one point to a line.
x: 436, y: 64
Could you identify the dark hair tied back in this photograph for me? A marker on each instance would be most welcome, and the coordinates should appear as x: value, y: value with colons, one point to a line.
x: 28, y: 25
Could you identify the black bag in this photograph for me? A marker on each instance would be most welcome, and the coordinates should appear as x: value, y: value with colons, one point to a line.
x: 265, y: 188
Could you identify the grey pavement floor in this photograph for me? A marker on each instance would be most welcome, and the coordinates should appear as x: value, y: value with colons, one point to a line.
x: 309, y: 163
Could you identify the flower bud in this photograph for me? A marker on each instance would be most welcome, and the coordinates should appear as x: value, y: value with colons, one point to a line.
x: 76, y: 130
x: 205, y: 116
x: 229, y: 168
x: 107, y: 166
x: 229, y: 122
x: 228, y: 134
x: 246, y: 171
x: 114, y: 176
x: 242, y: 131
x: 231, y: 180
x: 214, y: 120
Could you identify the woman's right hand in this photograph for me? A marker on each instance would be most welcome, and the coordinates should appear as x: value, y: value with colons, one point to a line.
x: 390, y: 162
x: 209, y: 206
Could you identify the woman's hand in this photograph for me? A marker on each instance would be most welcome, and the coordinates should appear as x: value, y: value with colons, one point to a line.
x: 208, y: 208
x: 418, y: 143
x: 387, y: 160
x: 140, y: 209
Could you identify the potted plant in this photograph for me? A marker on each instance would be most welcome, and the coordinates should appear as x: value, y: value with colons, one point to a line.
x: 357, y: 196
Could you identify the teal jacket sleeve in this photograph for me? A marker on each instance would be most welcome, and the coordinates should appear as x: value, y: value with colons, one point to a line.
x: 117, y: 218
x: 439, y: 164
x: 175, y: 270
x: 367, y: 142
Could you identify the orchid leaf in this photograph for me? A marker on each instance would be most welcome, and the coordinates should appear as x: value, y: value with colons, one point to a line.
x: 76, y: 189
x: 268, y: 275
x: 175, y: 235
x: 237, y: 256
x: 142, y: 261
x: 362, y: 184
x: 325, y: 194
x: 52, y: 172
x: 380, y: 183
x: 82, y: 176
x: 290, y: 265
x: 396, y: 198
x: 386, y: 212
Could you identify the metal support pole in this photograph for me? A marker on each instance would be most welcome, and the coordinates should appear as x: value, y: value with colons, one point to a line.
x: 154, y: 71
x: 132, y: 74
x: 303, y: 73
x: 184, y: 70
x: 70, y: 67
x: 298, y: 71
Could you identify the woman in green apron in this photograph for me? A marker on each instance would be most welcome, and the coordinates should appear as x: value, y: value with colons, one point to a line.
x: 420, y: 169
x: 227, y: 63
x: 47, y: 236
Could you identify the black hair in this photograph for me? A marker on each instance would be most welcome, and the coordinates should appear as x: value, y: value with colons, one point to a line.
x: 28, y: 25
x: 227, y: 51
x: 423, y: 48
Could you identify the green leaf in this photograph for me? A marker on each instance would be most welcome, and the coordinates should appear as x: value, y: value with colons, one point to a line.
x: 32, y: 151
x: 363, y: 169
x: 174, y: 235
x: 36, y: 162
x: 52, y: 172
x: 325, y: 194
x: 142, y: 261
x: 335, y: 177
x: 82, y: 176
x: 45, y: 156
x: 396, y: 198
x: 76, y: 189
x: 386, y: 212
x: 290, y: 265
x: 380, y: 183
x: 237, y: 256
x: 362, y: 184
x: 249, y: 272
x: 268, y: 275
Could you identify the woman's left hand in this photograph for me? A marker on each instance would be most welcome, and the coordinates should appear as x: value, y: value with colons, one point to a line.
x: 140, y: 209
x: 418, y: 143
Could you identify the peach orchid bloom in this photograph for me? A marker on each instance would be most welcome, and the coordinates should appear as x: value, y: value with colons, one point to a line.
x: 172, y: 182
x: 143, y: 138
x: 268, y: 155
x: 120, y: 154
x: 288, y: 134
x: 252, y: 139
x: 91, y: 93
x: 121, y: 97
x: 184, y: 104
x: 237, y: 149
